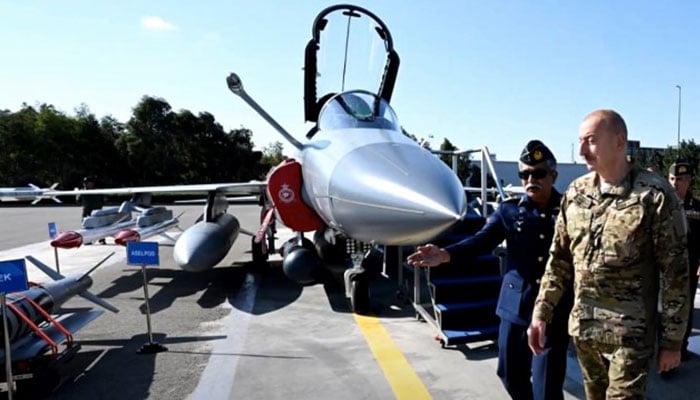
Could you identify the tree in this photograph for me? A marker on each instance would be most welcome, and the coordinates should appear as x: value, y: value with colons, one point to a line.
x: 16, y: 142
x: 688, y: 152
x: 463, y: 160
x: 272, y: 154
x: 96, y: 154
x: 148, y: 146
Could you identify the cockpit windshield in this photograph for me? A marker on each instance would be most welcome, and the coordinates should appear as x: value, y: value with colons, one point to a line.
x: 357, y: 109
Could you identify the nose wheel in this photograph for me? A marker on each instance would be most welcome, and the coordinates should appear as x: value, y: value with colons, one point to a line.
x: 357, y: 289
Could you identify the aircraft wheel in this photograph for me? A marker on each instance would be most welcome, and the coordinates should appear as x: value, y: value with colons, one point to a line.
x: 359, y: 294
x: 391, y: 259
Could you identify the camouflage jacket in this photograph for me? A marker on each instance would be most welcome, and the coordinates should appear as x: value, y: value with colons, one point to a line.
x: 625, y: 250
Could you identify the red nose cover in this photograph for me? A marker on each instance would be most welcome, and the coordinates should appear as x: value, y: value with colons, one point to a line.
x: 284, y: 185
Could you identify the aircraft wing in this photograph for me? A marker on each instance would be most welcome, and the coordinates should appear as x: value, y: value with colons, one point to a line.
x: 237, y: 189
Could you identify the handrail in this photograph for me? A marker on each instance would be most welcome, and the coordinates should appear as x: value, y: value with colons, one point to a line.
x: 49, y: 318
x: 486, y: 162
x: 34, y: 327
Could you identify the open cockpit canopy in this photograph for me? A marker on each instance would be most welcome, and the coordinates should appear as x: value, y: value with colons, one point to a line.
x: 357, y: 109
x: 351, y: 49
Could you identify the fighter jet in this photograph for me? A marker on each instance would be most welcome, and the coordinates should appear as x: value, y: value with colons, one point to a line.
x: 357, y: 181
x: 31, y: 193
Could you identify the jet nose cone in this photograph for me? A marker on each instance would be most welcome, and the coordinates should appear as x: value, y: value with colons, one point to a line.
x: 401, y: 196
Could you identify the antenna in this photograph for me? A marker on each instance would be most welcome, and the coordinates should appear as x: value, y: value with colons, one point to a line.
x: 236, y: 86
x: 573, y: 160
x: 350, y: 14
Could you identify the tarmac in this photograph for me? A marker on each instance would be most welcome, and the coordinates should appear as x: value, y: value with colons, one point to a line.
x: 236, y: 332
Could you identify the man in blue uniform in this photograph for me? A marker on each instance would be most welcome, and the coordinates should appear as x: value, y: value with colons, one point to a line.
x: 527, y: 225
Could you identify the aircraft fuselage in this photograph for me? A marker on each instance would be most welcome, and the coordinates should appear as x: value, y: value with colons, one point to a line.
x: 375, y: 184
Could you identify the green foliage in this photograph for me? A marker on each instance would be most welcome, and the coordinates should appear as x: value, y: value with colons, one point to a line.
x: 463, y: 160
x: 688, y: 152
x: 272, y: 155
x: 661, y: 160
x: 156, y: 146
x: 409, y: 135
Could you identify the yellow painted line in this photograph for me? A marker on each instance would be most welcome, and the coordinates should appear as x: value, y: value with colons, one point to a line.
x: 403, y: 380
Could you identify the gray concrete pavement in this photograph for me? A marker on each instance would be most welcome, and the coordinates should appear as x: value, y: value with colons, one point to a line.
x: 237, y: 334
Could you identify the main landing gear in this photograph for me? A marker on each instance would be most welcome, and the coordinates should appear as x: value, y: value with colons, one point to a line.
x: 264, y: 241
x: 357, y: 289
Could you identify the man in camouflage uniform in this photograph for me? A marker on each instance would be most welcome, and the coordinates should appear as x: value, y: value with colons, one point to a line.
x: 620, y: 236
x: 526, y: 223
x: 680, y: 177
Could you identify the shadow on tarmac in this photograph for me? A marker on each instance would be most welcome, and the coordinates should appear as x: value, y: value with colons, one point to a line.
x: 218, y: 285
x: 136, y: 373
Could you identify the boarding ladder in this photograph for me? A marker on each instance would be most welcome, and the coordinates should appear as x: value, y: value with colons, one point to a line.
x: 459, y: 301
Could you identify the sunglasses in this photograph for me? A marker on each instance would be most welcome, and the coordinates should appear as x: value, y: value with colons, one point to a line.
x: 537, y: 173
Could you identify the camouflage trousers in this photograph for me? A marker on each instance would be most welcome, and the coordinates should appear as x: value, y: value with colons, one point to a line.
x: 613, y: 371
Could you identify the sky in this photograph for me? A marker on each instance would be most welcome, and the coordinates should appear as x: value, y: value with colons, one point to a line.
x: 479, y: 73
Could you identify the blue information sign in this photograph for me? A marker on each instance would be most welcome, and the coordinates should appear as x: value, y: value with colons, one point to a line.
x: 52, y: 230
x: 142, y: 253
x: 13, y: 276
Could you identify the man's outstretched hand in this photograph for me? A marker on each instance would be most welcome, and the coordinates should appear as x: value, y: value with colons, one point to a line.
x: 428, y: 256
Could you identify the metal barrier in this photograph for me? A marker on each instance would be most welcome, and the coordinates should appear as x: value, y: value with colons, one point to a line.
x: 426, y: 308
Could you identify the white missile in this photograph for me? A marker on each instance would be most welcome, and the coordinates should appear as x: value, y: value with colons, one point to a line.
x: 23, y: 307
x: 141, y: 233
x: 73, y: 239
x: 31, y: 193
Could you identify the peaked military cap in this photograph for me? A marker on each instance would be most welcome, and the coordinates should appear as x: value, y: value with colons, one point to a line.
x: 536, y: 152
x: 680, y: 168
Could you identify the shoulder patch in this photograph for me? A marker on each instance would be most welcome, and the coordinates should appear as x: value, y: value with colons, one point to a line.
x: 583, y: 201
x: 627, y: 203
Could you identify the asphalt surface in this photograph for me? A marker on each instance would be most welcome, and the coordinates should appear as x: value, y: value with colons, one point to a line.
x: 239, y: 333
